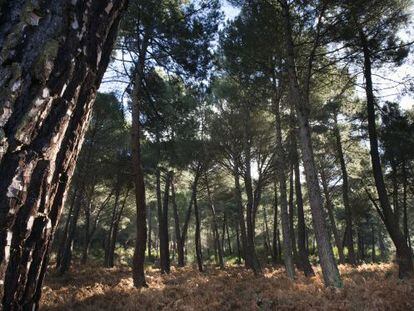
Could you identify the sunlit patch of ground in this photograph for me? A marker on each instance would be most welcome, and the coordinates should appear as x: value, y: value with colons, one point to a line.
x: 367, y: 287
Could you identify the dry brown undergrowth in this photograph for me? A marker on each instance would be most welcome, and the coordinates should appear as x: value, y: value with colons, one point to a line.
x: 367, y: 287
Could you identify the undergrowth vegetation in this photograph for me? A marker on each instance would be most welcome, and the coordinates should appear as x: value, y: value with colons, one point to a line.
x: 366, y: 287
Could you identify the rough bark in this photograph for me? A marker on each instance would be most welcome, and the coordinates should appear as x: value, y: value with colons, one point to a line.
x: 301, y: 102
x: 53, y: 59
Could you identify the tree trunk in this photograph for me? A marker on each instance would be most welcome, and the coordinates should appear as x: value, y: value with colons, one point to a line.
x: 163, y: 225
x: 266, y: 235
x: 275, y: 244
x: 64, y: 236
x: 242, y: 223
x: 303, y: 253
x: 149, y: 215
x: 228, y: 238
x: 404, y: 253
x: 109, y: 256
x: 301, y: 101
x: 281, y: 160
x: 345, y: 196
x: 66, y: 256
x: 198, y: 235
x: 50, y: 73
x: 405, y: 215
x: 238, y: 244
x: 138, y: 273
x: 291, y: 205
x: 216, y: 234
x: 373, y: 255
x: 331, y: 216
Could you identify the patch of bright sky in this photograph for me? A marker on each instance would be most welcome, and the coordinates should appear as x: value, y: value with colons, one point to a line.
x: 387, y: 80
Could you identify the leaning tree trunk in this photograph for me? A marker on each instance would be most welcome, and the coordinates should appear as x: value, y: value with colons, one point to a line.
x: 54, y: 54
x: 301, y: 102
x: 389, y: 217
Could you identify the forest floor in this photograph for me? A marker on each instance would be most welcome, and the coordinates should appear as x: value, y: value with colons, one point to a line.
x: 366, y: 287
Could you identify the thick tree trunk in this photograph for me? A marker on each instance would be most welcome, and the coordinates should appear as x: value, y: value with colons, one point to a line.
x: 349, y: 242
x: 404, y: 253
x: 54, y: 62
x: 303, y: 253
x: 301, y: 101
x: 331, y: 216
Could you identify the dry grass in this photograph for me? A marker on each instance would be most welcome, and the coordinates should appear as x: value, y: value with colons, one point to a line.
x: 367, y: 287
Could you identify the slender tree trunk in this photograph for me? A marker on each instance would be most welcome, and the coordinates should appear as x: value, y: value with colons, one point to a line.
x: 266, y: 235
x: 345, y: 196
x: 228, y: 238
x: 66, y: 257
x: 138, y: 273
x: 373, y: 255
x: 242, y: 223
x: 275, y: 244
x: 179, y: 242
x: 404, y: 253
x: 238, y: 244
x: 331, y: 216
x: 109, y: 256
x: 250, y: 250
x: 405, y: 219
x: 301, y: 101
x: 216, y: 234
x: 64, y: 236
x: 198, y: 235
x: 149, y: 215
x: 286, y: 230
x: 50, y: 73
x: 164, y: 235
x: 303, y: 253
x: 291, y: 205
